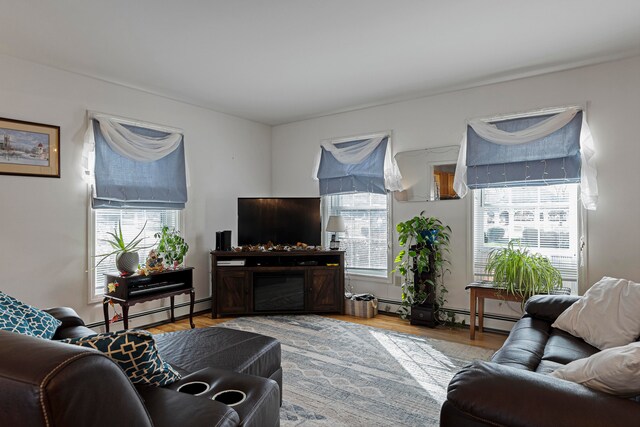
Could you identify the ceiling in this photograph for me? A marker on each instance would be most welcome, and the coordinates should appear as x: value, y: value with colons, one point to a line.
x: 278, y: 61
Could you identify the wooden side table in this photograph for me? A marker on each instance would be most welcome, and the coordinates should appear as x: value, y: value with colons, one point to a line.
x: 478, y: 291
x: 135, y: 289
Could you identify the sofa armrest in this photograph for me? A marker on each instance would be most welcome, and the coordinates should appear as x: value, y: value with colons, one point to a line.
x: 43, y: 382
x: 170, y: 408
x: 66, y: 315
x: 72, y: 325
x: 549, y: 307
x: 486, y: 393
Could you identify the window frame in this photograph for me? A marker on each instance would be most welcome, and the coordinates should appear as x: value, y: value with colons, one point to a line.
x: 93, y: 296
x: 326, y: 237
x: 582, y: 254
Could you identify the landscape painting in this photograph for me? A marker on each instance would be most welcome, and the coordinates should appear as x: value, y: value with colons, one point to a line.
x: 29, y: 149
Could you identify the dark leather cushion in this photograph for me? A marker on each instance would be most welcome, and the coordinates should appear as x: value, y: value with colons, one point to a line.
x: 486, y: 393
x: 169, y: 408
x: 72, y: 325
x: 261, y: 406
x: 524, y: 348
x: 66, y: 315
x: 562, y: 347
x: 239, y: 351
x: 73, y: 332
x: 549, y: 307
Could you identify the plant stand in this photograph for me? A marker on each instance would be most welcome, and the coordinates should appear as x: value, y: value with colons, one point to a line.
x: 424, y: 315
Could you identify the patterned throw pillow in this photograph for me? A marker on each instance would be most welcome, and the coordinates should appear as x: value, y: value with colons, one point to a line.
x: 17, y: 316
x: 136, y: 353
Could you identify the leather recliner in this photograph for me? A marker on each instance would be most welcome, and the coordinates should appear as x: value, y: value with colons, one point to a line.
x: 48, y: 383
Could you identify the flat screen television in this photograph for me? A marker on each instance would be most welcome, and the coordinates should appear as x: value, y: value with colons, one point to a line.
x: 281, y: 221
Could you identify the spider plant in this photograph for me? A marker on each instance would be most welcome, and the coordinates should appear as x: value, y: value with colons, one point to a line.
x: 521, y: 272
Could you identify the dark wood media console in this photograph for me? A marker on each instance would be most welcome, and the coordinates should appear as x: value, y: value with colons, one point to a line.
x: 277, y: 282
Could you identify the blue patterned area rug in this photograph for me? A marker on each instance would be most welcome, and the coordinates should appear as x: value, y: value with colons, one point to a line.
x: 339, y: 373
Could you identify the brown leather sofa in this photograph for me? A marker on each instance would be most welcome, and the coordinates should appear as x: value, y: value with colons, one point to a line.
x: 514, y: 390
x: 48, y: 383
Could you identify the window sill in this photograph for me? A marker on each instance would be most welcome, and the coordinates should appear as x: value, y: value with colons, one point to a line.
x: 370, y: 277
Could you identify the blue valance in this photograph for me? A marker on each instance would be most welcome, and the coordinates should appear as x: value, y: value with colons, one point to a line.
x: 541, y: 149
x: 121, y: 182
x: 365, y: 176
x: 552, y: 159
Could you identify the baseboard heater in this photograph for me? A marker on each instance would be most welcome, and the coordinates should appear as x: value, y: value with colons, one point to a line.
x: 154, y: 311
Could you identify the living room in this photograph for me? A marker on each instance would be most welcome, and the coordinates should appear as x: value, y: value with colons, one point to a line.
x: 265, y: 147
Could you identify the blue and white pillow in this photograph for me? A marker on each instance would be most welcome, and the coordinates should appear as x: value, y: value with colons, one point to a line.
x: 16, y: 316
x: 136, y: 353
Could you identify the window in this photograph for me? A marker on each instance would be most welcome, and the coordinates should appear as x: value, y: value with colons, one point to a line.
x: 366, y: 240
x: 132, y: 220
x: 545, y: 219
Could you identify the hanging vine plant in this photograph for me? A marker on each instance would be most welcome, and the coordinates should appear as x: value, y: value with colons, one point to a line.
x: 422, y: 261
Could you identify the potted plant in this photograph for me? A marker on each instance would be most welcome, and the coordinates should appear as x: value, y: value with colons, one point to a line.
x: 127, y: 258
x: 421, y: 261
x: 171, y: 246
x: 521, y: 272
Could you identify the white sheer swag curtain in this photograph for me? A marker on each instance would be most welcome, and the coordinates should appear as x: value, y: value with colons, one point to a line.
x: 126, y: 143
x: 356, y: 153
x: 488, y: 131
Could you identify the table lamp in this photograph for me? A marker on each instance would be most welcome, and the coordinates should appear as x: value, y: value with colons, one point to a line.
x: 335, y: 225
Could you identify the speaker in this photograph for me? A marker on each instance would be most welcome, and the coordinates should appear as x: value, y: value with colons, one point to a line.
x: 223, y: 240
x: 218, y: 240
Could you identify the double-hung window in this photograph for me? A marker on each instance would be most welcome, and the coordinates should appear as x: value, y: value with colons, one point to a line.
x: 355, y: 177
x: 366, y: 239
x: 131, y: 221
x: 543, y: 219
x: 530, y: 174
x: 137, y: 173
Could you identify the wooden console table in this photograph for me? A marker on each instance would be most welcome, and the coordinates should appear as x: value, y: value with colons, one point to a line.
x: 136, y: 288
x: 478, y: 292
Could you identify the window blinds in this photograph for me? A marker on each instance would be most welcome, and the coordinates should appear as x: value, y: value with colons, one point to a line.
x: 543, y: 219
x: 132, y: 221
x: 365, y: 239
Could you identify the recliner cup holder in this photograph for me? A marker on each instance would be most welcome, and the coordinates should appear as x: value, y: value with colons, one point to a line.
x: 230, y: 397
x: 195, y: 388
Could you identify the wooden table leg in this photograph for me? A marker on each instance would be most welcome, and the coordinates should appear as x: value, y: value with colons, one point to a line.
x: 192, y: 298
x: 480, y: 314
x: 125, y: 315
x: 172, y: 299
x: 472, y: 318
x: 105, y: 309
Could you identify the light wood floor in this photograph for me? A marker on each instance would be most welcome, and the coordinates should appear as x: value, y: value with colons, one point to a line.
x: 485, y: 340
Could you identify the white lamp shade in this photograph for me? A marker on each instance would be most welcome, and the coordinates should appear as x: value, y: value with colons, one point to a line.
x: 335, y: 224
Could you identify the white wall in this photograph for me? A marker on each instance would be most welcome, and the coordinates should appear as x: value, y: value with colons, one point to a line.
x: 612, y: 91
x: 43, y: 221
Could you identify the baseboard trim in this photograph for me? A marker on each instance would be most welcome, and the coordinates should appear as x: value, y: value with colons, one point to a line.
x: 462, y: 312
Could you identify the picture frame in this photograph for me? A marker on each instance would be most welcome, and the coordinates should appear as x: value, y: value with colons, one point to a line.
x: 29, y: 149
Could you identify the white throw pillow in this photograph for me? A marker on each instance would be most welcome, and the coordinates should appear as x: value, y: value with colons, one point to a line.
x: 608, y: 315
x: 614, y: 371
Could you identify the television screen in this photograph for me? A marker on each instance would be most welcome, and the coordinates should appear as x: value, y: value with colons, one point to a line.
x: 281, y: 221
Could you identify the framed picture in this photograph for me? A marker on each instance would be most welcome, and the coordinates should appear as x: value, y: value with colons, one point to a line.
x: 30, y: 149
